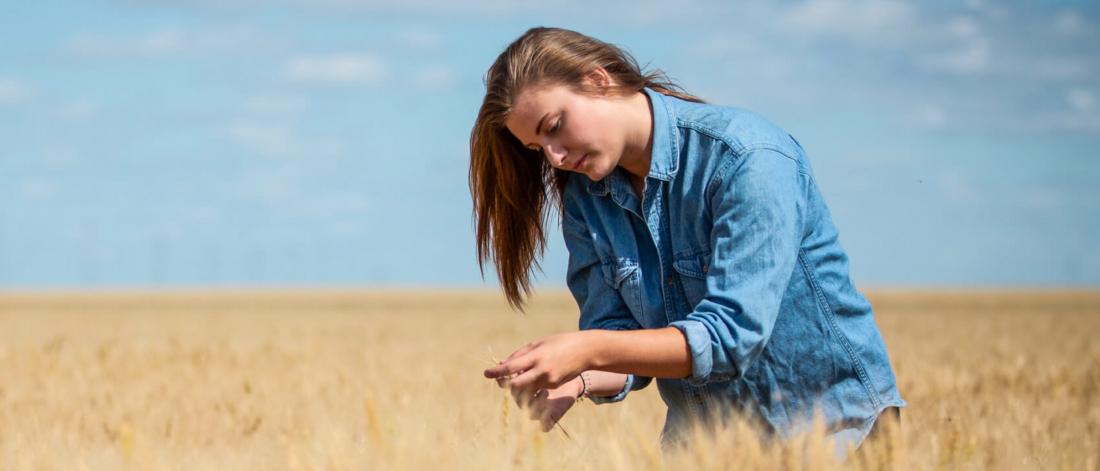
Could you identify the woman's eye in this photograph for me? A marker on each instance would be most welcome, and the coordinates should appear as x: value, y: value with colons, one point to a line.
x: 555, y: 127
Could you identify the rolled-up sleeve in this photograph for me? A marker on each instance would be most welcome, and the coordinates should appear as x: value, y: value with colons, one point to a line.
x: 757, y: 202
x: 601, y: 306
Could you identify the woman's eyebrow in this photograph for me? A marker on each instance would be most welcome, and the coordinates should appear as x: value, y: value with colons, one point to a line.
x: 538, y: 127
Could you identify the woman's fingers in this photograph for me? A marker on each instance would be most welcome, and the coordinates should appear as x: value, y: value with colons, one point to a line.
x: 537, y: 408
x: 524, y: 386
x: 544, y: 410
x: 546, y: 421
x: 546, y: 406
x: 520, y: 352
x: 498, y: 371
x: 522, y: 395
x: 552, y: 407
x: 551, y: 413
x: 511, y: 366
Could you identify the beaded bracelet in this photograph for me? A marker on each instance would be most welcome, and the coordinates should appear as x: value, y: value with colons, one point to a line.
x: 584, y: 387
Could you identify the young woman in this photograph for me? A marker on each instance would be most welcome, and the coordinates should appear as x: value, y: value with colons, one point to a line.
x: 701, y: 252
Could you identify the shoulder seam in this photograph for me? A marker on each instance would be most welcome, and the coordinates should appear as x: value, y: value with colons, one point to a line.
x: 738, y: 150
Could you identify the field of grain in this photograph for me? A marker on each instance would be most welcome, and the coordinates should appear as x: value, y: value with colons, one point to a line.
x: 344, y: 380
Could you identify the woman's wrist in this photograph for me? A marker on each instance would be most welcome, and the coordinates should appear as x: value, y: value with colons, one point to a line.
x: 577, y: 387
x: 596, y: 357
x: 597, y: 383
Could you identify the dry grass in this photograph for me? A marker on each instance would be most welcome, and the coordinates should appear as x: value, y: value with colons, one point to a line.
x: 392, y: 381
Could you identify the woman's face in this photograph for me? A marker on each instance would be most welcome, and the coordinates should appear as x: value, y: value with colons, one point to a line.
x: 574, y: 131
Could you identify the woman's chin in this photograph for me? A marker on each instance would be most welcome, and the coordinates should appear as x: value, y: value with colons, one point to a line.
x: 594, y: 174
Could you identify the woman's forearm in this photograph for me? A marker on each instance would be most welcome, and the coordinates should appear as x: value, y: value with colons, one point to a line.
x: 603, y: 383
x: 660, y: 353
x: 553, y: 361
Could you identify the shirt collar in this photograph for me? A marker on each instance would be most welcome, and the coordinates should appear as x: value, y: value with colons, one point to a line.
x: 663, y: 163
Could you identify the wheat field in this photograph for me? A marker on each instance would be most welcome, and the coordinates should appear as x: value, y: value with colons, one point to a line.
x: 392, y: 380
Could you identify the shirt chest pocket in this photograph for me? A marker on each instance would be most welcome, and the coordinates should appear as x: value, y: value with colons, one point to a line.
x: 693, y: 276
x: 624, y: 276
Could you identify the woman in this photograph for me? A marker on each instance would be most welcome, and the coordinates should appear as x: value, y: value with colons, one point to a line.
x: 700, y: 250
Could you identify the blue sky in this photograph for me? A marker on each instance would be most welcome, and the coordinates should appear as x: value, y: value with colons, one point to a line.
x: 235, y: 142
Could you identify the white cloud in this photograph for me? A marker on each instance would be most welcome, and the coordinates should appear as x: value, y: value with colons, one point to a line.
x: 964, y: 27
x: 343, y: 203
x: 1089, y: 123
x: 480, y: 6
x: 1081, y: 100
x: 280, y: 139
x: 863, y: 20
x: 284, y: 184
x: 1074, y: 121
x: 58, y: 155
x: 1043, y: 199
x: 991, y: 10
x: 957, y: 187
x: 168, y: 42
x: 727, y: 45
x: 388, y: 6
x: 97, y: 46
x: 1070, y: 23
x: 78, y: 110
x: 929, y: 116
x: 14, y: 91
x: 1059, y: 68
x: 38, y: 188
x: 438, y: 77
x: 341, y: 68
x: 265, y: 138
x: 960, y: 45
x: 969, y: 58
x: 421, y: 39
x: 274, y: 184
x: 1083, y: 114
x: 275, y: 105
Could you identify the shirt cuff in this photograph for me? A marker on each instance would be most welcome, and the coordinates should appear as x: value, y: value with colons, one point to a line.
x: 618, y: 397
x: 698, y: 339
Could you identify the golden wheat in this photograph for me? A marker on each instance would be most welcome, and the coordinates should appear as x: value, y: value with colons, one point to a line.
x: 336, y: 380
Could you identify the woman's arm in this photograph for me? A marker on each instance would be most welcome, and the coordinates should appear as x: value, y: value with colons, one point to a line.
x: 555, y: 360
x: 660, y: 353
x: 758, y: 206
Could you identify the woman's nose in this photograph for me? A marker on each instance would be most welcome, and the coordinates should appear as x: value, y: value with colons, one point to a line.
x: 555, y: 153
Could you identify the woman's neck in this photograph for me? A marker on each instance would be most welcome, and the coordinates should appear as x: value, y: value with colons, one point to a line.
x: 638, y: 146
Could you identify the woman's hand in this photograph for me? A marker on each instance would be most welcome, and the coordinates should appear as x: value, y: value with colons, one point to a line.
x: 546, y: 364
x: 550, y: 405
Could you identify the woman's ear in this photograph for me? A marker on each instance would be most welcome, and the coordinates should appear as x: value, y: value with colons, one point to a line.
x: 599, y: 79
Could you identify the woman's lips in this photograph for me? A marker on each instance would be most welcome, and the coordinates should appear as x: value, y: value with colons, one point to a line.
x: 577, y: 165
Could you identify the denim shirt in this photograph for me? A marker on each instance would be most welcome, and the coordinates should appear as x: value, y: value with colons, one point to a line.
x: 732, y: 244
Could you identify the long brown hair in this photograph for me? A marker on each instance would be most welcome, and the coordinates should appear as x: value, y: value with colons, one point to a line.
x: 508, y: 181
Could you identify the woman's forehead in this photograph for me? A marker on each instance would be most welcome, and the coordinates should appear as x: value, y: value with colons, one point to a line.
x: 541, y: 97
x: 530, y: 107
x: 533, y: 104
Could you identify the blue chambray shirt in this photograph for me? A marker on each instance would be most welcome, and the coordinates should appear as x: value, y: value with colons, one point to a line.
x: 732, y: 244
